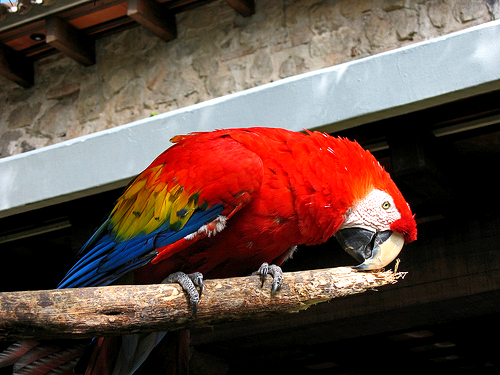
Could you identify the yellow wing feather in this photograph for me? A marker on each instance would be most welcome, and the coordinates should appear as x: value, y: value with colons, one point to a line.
x: 150, y: 202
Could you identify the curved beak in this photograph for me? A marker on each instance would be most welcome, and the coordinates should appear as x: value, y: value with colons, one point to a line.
x: 373, y: 249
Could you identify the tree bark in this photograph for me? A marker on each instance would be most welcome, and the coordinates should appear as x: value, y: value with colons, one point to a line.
x: 116, y: 310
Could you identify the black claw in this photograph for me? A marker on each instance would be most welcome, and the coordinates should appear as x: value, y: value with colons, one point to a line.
x: 262, y: 272
x: 273, y: 270
x: 194, y: 310
x: 188, y: 284
x: 197, y: 279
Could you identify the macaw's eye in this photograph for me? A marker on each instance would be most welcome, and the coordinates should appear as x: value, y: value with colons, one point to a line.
x: 386, y: 205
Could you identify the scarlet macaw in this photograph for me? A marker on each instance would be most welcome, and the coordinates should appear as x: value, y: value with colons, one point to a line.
x: 230, y: 202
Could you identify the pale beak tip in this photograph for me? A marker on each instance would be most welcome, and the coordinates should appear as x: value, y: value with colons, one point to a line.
x: 384, y: 254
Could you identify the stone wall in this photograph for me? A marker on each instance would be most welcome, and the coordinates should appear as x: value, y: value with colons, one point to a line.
x: 216, y: 52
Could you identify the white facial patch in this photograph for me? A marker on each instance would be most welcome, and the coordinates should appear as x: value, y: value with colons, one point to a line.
x: 376, y: 211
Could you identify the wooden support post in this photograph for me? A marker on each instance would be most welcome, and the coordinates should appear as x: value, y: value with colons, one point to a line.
x: 154, y: 16
x: 70, y: 41
x: 116, y: 310
x: 16, y: 67
x: 244, y: 7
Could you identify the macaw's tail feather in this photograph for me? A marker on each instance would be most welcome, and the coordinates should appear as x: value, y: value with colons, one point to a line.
x: 134, y: 351
x: 121, y: 355
x: 170, y: 356
x: 103, y: 353
x: 35, y: 358
x: 15, y: 351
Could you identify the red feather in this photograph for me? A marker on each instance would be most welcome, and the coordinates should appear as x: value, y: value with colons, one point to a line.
x: 308, y: 183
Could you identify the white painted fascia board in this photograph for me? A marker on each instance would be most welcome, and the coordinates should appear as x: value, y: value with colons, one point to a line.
x: 414, y: 77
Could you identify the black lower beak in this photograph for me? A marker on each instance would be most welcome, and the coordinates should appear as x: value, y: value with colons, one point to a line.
x: 373, y: 249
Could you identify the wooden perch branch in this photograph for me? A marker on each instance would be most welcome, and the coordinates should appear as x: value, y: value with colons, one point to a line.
x: 115, y: 310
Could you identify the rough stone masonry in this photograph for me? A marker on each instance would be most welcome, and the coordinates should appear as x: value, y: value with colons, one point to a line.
x: 217, y: 52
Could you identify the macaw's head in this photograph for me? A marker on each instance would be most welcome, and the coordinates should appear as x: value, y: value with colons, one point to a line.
x: 375, y: 229
x: 378, y: 220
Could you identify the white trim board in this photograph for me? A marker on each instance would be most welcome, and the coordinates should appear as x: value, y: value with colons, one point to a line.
x: 403, y: 80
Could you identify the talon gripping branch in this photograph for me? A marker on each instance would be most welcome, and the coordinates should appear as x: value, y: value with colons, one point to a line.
x: 222, y: 204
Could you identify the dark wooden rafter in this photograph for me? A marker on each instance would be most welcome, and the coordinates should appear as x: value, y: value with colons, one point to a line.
x: 244, y: 7
x: 16, y: 67
x: 73, y: 31
x: 70, y: 41
x: 153, y: 16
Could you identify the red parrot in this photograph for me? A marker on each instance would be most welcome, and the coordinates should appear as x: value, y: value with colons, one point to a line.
x: 227, y: 203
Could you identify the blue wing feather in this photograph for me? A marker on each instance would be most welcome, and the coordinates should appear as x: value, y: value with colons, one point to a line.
x: 98, y: 234
x: 105, y: 260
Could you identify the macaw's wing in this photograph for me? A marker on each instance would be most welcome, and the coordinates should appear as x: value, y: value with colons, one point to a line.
x: 186, y: 194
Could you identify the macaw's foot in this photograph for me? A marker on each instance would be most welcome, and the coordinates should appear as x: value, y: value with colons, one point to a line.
x: 273, y: 270
x: 188, y: 284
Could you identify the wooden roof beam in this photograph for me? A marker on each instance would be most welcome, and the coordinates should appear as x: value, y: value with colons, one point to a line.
x: 70, y: 41
x: 16, y: 67
x: 244, y: 7
x: 154, y: 16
